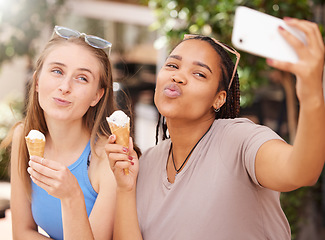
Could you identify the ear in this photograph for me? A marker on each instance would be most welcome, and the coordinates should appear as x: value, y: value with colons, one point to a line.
x: 98, y: 96
x: 35, y: 79
x: 220, y: 99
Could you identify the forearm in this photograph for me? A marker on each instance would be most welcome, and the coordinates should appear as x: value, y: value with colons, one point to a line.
x: 126, y: 225
x: 281, y: 167
x: 74, y: 218
x: 18, y: 234
x: 308, y: 154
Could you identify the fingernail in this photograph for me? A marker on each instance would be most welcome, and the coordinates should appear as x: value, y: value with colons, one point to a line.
x: 125, y: 149
x: 287, y: 18
x: 281, y: 28
x: 132, y: 163
x: 130, y: 158
x: 29, y: 163
x: 29, y: 170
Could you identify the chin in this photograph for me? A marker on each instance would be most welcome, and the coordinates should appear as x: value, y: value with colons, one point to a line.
x: 170, y: 113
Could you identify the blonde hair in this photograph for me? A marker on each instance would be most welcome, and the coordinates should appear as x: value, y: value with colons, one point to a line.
x: 94, y: 118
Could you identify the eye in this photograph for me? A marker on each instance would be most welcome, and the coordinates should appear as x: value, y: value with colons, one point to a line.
x: 82, y: 78
x: 201, y: 75
x: 57, y: 71
x: 171, y: 65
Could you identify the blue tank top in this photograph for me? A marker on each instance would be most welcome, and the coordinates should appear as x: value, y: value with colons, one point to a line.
x: 46, y: 209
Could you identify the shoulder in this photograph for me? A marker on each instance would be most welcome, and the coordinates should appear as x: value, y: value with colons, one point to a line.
x: 230, y: 128
x: 239, y: 126
x: 159, y: 149
x: 152, y: 163
x: 99, y: 170
x: 18, y: 132
x: 238, y: 122
x: 98, y: 157
x: 13, y: 137
x: 239, y: 131
x: 153, y: 158
x: 99, y: 148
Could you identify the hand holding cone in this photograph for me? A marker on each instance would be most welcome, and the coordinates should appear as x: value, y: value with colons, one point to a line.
x: 119, y: 124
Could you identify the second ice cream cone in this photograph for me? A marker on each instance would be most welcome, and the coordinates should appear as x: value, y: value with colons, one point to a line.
x: 122, y: 136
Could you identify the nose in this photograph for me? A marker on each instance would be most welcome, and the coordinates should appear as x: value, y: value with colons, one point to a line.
x: 178, y: 79
x: 65, y: 85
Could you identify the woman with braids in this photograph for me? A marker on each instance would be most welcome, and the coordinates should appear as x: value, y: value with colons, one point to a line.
x: 216, y: 176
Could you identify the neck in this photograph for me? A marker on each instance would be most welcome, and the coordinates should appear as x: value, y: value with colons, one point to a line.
x: 185, y: 136
x: 65, y: 138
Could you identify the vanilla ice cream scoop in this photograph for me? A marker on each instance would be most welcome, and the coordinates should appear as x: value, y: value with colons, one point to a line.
x: 34, y: 134
x: 119, y: 118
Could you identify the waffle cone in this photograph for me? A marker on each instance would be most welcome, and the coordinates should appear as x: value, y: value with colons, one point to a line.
x: 35, y: 147
x: 122, y: 134
x: 122, y: 137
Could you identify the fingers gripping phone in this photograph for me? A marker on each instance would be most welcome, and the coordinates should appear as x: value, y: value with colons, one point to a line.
x: 257, y: 33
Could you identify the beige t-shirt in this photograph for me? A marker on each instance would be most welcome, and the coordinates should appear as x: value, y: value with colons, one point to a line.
x: 216, y: 195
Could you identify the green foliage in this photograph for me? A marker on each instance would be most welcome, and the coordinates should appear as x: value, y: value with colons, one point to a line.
x: 292, y: 203
x: 21, y: 23
x: 215, y: 18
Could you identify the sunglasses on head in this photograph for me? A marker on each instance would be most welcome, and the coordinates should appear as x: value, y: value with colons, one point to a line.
x: 224, y: 46
x: 93, y: 41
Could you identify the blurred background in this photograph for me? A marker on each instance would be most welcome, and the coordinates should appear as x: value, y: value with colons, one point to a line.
x: 142, y: 32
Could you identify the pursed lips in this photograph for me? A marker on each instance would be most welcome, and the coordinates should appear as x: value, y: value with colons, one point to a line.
x: 172, y: 90
x: 61, y: 101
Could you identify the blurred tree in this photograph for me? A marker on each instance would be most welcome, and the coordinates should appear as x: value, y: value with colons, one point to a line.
x: 21, y: 23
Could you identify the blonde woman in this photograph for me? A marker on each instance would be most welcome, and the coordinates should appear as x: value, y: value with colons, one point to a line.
x: 69, y: 193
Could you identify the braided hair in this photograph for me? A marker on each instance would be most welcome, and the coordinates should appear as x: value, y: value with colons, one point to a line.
x: 232, y: 105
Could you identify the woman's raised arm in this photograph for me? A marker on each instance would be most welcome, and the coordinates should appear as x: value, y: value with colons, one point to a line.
x: 280, y: 166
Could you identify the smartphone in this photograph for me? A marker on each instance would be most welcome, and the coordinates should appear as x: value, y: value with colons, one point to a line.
x: 257, y: 33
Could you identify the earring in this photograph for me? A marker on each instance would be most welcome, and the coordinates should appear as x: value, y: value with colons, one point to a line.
x: 217, y: 110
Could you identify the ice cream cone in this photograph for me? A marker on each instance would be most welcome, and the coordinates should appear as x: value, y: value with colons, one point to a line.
x: 122, y: 133
x: 119, y: 123
x: 122, y: 136
x: 35, y: 147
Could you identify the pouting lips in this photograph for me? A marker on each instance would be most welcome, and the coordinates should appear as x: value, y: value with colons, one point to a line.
x: 61, y: 101
x: 172, y: 91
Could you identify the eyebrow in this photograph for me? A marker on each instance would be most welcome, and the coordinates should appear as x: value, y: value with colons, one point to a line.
x: 198, y: 63
x: 82, y: 69
x: 203, y: 65
x: 175, y: 56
